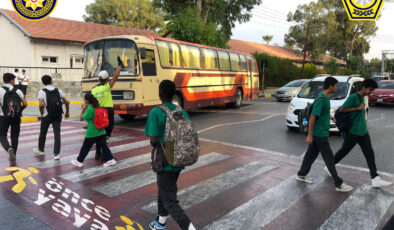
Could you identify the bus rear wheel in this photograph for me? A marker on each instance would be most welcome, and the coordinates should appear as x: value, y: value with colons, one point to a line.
x: 127, y: 117
x: 238, y: 99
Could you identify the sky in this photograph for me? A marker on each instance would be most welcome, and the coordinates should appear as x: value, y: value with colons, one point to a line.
x: 268, y: 19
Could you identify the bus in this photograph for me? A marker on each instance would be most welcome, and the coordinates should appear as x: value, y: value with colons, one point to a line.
x: 204, y: 76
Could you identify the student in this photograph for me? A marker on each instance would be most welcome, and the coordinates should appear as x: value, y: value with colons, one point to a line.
x: 104, y: 96
x: 50, y: 99
x: 10, y: 114
x: 93, y: 134
x: 358, y: 134
x: 318, y: 132
x: 166, y: 180
x: 23, y: 80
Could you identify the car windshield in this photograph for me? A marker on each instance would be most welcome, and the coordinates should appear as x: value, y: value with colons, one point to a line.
x: 314, y: 88
x: 294, y: 83
x: 386, y: 85
x: 102, y: 55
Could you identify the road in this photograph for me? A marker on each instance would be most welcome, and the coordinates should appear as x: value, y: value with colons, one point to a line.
x: 244, y: 179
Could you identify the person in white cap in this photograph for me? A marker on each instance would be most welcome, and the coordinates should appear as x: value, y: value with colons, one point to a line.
x: 102, y: 92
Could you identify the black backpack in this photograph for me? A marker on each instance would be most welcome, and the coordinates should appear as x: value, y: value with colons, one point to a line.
x: 54, y: 104
x: 306, y: 113
x: 343, y: 120
x: 11, y: 103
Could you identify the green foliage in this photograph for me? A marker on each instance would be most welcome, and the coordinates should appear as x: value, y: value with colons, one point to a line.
x: 212, y: 15
x: 331, y: 67
x: 268, y: 38
x: 310, y: 71
x: 356, y: 63
x: 126, y: 13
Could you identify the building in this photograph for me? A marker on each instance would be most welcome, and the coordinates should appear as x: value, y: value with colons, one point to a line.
x: 280, y: 52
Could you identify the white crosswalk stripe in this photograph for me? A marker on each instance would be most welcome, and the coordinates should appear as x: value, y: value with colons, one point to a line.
x: 117, y: 187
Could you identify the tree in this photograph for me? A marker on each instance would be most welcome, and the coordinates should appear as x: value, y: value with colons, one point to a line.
x: 331, y: 67
x: 268, y: 38
x: 218, y: 14
x: 126, y: 13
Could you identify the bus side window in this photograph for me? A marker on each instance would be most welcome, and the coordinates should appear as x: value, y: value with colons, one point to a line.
x: 149, y: 64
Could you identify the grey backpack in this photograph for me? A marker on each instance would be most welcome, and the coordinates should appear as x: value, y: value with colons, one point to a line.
x: 182, y: 147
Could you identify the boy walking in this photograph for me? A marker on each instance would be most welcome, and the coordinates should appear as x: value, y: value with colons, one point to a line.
x: 11, y: 109
x: 102, y: 92
x: 23, y: 80
x: 318, y: 132
x: 167, y: 179
x: 358, y: 134
x: 50, y: 99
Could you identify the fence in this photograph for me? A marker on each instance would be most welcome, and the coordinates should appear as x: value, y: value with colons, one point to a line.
x: 35, y: 73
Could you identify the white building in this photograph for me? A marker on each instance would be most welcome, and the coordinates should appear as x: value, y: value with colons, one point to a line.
x: 50, y: 45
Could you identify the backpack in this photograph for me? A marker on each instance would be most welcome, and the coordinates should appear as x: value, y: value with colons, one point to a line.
x: 11, y: 103
x: 182, y: 147
x: 54, y: 104
x: 306, y: 113
x: 101, y: 120
x: 344, y: 122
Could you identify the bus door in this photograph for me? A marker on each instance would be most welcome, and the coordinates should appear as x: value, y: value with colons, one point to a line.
x: 149, y: 76
x: 250, y: 75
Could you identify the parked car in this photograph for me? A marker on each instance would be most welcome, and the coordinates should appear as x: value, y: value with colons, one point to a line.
x: 384, y: 94
x: 346, y: 85
x: 288, y: 91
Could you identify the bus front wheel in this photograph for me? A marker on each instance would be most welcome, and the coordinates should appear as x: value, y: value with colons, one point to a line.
x: 127, y: 117
x: 238, y: 99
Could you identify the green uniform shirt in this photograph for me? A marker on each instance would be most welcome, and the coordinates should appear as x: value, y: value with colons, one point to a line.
x: 321, y: 109
x: 359, y: 127
x: 156, y: 125
x: 103, y: 95
x: 92, y: 131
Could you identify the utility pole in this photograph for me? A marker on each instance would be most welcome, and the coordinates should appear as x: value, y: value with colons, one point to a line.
x: 305, y: 49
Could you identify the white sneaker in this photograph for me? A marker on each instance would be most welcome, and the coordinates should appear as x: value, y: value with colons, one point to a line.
x: 56, y: 157
x: 77, y: 163
x: 378, y: 182
x: 344, y: 188
x: 38, y: 152
x: 306, y: 179
x: 109, y: 163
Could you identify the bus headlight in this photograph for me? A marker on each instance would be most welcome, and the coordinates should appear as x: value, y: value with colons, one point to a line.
x: 128, y: 95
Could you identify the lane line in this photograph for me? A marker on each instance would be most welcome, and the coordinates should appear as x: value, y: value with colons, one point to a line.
x: 115, y: 188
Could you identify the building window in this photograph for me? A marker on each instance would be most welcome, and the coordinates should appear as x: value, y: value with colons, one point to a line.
x: 49, y: 59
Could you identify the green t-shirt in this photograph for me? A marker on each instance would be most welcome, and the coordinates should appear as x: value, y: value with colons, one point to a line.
x: 92, y: 131
x: 359, y: 127
x: 156, y: 125
x: 103, y: 95
x: 321, y: 109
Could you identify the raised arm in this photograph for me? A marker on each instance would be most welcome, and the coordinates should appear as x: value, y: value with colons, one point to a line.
x: 117, y: 72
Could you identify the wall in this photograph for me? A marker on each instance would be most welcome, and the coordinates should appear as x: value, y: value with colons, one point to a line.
x: 14, y: 45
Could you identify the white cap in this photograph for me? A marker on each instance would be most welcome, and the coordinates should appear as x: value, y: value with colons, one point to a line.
x: 103, y: 75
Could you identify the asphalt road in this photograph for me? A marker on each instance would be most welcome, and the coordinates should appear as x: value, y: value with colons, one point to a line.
x: 261, y: 124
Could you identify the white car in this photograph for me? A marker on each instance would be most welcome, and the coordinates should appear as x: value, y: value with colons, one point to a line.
x: 346, y: 85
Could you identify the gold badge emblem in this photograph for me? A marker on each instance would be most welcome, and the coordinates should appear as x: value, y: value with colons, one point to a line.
x: 363, y: 9
x: 34, y: 10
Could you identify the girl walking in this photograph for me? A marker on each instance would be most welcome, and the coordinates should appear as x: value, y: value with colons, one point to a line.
x: 93, y: 134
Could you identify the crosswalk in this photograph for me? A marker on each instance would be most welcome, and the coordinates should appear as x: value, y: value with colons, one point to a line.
x: 228, y: 188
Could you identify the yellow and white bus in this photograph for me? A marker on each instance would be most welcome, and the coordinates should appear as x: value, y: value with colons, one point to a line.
x: 203, y: 75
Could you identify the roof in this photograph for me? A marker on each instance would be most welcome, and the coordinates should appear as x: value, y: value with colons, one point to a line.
x: 58, y: 29
x: 276, y: 51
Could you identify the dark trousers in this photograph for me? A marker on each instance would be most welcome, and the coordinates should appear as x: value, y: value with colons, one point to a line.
x: 167, y: 201
x: 366, y: 146
x: 108, y: 130
x: 56, y: 124
x: 23, y: 88
x: 87, y: 145
x: 390, y: 224
x: 320, y: 144
x: 5, y: 123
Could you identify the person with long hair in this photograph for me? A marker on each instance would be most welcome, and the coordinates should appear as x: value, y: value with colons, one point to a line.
x: 93, y: 135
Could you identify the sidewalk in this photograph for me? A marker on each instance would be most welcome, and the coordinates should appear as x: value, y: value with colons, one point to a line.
x: 32, y: 112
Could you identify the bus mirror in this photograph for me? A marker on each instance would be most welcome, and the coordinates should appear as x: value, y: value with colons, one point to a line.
x: 143, y: 53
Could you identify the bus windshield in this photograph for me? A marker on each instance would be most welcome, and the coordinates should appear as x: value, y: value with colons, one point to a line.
x: 102, y: 55
x: 314, y: 88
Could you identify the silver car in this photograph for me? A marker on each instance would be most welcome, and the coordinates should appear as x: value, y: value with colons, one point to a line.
x: 288, y: 91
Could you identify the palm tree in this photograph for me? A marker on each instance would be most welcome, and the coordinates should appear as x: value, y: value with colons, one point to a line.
x: 268, y: 38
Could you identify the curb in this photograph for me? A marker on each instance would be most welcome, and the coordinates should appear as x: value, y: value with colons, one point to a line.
x: 265, y: 96
x: 71, y: 103
x: 37, y: 118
